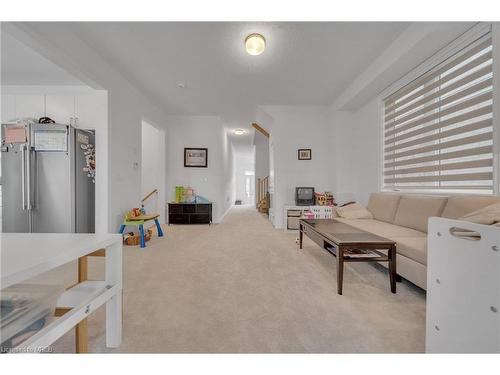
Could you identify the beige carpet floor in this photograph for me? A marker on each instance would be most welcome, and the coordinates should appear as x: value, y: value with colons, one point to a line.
x: 244, y: 287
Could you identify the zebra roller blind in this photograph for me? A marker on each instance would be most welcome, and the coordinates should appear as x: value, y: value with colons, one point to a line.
x: 438, y: 129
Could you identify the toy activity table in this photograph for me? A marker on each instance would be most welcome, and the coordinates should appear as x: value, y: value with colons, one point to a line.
x: 138, y: 221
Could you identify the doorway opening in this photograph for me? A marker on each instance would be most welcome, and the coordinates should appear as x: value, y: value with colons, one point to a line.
x: 245, y: 178
x: 153, y: 161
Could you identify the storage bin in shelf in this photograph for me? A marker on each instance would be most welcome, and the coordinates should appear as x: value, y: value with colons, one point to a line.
x: 25, y: 310
x: 293, y: 214
x: 322, y: 212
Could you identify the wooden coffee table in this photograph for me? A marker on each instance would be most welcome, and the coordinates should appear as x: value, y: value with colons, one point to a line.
x: 344, y: 241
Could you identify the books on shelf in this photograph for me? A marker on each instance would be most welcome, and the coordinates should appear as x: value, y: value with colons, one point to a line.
x: 360, y: 254
x: 355, y: 253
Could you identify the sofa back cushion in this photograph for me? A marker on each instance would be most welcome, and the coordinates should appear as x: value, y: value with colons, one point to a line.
x: 461, y: 205
x: 414, y: 211
x: 488, y: 215
x: 383, y: 206
x: 354, y: 211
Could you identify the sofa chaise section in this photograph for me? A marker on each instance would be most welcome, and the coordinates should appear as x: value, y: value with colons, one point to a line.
x: 403, y: 218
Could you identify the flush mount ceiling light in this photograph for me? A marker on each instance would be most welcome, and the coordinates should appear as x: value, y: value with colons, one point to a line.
x: 255, y: 44
x: 239, y: 132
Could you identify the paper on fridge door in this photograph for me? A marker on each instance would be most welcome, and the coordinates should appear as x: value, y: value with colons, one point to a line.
x: 51, y: 140
x: 15, y: 134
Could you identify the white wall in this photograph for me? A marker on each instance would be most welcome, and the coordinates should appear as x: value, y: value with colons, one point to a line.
x: 60, y: 103
x: 356, y: 140
x: 228, y: 181
x: 215, y: 182
x: 297, y: 127
x: 153, y: 169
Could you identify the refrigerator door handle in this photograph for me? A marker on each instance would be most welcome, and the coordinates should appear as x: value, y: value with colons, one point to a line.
x: 28, y: 178
x: 23, y: 176
x: 33, y: 194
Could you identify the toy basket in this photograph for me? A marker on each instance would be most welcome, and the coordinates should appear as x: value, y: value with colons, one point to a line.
x: 134, y: 239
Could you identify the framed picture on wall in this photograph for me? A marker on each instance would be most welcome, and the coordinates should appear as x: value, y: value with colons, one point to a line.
x: 304, y: 154
x: 196, y: 157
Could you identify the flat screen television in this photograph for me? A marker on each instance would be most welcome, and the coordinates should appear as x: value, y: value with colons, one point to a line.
x: 304, y: 196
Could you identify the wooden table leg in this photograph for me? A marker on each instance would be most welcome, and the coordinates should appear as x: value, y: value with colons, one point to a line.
x: 340, y: 269
x: 81, y: 337
x: 82, y: 269
x: 301, y: 235
x: 392, y: 268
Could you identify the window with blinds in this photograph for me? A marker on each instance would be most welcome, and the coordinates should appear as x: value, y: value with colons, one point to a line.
x: 438, y: 129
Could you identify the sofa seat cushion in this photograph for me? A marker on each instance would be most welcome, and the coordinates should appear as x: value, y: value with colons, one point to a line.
x: 382, y: 229
x: 414, y: 248
x: 415, y: 211
x: 383, y: 206
x: 461, y: 205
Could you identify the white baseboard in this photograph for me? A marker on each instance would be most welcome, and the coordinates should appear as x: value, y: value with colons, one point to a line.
x: 220, y: 219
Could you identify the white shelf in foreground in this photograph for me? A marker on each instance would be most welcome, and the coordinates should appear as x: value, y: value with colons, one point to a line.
x: 81, y: 293
x: 26, y: 255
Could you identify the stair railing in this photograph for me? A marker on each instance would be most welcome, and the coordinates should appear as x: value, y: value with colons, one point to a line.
x: 262, y: 191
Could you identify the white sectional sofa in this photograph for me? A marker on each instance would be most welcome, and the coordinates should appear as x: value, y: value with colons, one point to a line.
x: 403, y: 218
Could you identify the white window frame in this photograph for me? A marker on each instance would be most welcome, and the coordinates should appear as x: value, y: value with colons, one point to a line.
x: 455, y: 46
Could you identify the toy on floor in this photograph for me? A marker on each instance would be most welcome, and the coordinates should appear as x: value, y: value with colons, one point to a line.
x: 133, y: 239
x: 138, y: 217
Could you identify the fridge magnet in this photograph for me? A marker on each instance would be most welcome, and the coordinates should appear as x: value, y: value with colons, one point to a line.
x: 89, y: 152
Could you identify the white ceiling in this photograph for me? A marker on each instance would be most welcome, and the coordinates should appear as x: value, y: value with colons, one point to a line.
x: 243, y: 143
x: 21, y: 65
x: 304, y: 63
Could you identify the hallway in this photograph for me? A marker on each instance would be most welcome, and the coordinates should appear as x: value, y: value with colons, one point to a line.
x: 243, y: 286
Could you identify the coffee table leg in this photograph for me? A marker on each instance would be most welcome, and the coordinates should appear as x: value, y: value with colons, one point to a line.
x: 301, y: 235
x: 392, y: 268
x: 340, y: 269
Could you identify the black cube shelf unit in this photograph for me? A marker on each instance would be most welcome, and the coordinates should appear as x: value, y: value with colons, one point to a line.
x: 190, y: 213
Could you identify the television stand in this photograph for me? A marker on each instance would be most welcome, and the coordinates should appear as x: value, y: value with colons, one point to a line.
x: 292, y: 215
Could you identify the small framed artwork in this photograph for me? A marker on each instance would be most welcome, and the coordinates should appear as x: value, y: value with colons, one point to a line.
x: 304, y: 154
x: 196, y: 157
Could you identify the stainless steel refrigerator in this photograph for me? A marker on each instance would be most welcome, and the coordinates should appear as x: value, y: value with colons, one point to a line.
x: 46, y: 183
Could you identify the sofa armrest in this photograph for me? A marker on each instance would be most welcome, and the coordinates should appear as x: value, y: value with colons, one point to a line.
x: 334, y: 212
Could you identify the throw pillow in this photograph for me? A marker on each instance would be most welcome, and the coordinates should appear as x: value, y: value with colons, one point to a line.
x: 354, y: 211
x: 487, y: 215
